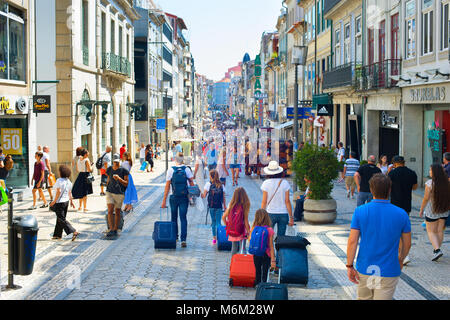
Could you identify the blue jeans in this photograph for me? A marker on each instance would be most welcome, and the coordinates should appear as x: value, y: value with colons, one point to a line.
x: 216, y: 217
x: 179, y: 206
x: 363, y: 197
x: 281, y: 220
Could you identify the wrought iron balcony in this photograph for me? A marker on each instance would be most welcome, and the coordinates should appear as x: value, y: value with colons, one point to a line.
x: 378, y: 75
x: 341, y: 76
x: 117, y: 64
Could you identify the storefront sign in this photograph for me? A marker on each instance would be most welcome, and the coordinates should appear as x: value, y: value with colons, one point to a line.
x: 21, y: 105
x: 389, y: 120
x: 6, y: 106
x: 160, y: 125
x: 428, y: 94
x: 11, y: 140
x: 325, y: 110
x: 41, y: 104
x: 435, y: 144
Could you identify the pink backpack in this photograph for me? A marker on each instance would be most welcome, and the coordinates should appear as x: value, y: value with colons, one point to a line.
x: 235, y: 222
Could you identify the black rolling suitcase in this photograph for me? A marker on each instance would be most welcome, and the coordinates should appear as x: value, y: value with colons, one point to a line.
x: 271, y: 291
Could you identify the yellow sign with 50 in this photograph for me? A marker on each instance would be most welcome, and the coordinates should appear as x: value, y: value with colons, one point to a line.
x: 11, y: 140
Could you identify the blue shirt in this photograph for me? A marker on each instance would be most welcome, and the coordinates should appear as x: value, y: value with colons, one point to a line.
x: 210, y: 159
x: 381, y: 225
x: 352, y: 166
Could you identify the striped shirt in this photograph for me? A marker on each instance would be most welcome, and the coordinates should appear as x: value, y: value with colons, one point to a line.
x: 352, y: 166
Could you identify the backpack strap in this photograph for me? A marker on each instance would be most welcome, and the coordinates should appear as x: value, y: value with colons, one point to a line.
x: 275, y: 192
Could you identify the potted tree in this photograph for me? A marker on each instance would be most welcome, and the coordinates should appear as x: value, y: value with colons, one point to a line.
x: 320, y: 167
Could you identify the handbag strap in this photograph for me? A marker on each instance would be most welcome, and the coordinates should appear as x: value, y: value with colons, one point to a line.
x: 279, y: 183
x: 60, y: 196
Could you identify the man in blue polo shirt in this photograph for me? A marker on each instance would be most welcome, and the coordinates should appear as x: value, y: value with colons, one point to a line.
x: 380, y: 225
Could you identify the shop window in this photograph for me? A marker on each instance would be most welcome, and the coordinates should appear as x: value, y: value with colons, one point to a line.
x: 15, y: 142
x: 358, y: 40
x: 12, y: 43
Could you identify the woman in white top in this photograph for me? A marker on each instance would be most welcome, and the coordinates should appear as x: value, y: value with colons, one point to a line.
x: 142, y: 154
x: 221, y: 167
x: 436, y: 206
x: 82, y: 187
x: 383, y: 164
x: 276, y: 198
x: 60, y: 204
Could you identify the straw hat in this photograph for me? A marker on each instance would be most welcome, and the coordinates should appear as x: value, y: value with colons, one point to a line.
x: 273, y: 168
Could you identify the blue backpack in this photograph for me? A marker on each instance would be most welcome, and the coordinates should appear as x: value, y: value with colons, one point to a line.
x: 259, y: 241
x: 179, y: 182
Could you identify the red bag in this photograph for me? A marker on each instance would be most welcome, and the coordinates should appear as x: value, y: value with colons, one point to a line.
x: 242, y: 271
x: 235, y: 222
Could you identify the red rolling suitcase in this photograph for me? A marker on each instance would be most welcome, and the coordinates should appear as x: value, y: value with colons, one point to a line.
x: 242, y: 270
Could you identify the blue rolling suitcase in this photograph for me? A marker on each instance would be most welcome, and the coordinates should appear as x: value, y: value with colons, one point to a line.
x: 165, y: 233
x: 222, y: 239
x: 293, y: 259
x: 144, y: 166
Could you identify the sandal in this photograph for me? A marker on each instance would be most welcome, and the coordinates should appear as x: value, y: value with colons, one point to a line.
x: 75, y: 235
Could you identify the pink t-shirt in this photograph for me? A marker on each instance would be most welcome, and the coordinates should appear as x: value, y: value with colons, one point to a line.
x: 271, y: 233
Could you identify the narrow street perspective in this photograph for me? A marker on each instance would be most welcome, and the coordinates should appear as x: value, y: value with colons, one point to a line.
x: 239, y: 152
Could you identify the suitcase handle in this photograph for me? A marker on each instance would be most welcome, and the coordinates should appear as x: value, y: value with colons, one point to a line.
x: 241, y: 249
x: 160, y: 214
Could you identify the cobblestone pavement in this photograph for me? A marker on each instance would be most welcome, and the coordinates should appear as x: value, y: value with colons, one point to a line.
x: 130, y: 268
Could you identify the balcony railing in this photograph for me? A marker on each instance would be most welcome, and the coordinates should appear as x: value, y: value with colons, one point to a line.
x: 378, y: 75
x: 341, y: 76
x: 115, y: 63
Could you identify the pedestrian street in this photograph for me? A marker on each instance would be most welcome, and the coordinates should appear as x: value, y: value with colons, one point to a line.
x: 130, y: 268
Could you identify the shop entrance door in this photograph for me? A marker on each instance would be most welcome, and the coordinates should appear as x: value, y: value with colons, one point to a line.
x: 389, y: 143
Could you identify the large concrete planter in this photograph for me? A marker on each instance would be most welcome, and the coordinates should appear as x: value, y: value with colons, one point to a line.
x: 320, y: 211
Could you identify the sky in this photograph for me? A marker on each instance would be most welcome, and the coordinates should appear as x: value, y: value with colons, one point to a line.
x: 222, y: 31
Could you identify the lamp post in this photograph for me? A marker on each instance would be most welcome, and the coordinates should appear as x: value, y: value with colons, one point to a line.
x: 166, y: 86
x: 299, y: 55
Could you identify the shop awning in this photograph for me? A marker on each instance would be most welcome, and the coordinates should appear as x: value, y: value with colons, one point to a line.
x: 321, y: 99
x: 284, y: 125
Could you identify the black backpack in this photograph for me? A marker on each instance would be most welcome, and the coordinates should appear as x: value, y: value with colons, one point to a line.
x: 99, y: 163
x: 215, y: 197
x: 179, y: 182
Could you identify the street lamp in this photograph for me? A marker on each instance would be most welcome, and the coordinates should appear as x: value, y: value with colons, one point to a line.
x: 299, y: 54
x: 166, y: 86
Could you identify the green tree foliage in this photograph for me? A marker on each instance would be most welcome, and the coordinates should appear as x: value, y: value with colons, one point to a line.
x: 318, y: 165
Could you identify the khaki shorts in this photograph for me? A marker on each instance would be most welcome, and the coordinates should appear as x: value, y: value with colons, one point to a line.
x: 115, y: 199
x: 350, y: 182
x: 376, y: 288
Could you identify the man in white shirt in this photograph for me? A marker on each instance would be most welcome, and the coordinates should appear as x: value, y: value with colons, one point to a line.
x: 178, y: 177
x: 341, y: 152
x: 142, y: 153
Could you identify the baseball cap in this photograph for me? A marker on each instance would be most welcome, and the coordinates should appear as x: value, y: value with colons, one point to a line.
x: 116, y: 157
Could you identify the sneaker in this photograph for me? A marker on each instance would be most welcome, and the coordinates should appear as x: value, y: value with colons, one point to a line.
x: 102, y: 194
x: 437, y: 254
x: 183, y: 244
x: 32, y: 208
x: 111, y: 234
x: 406, y: 260
x: 44, y: 206
x: 348, y: 194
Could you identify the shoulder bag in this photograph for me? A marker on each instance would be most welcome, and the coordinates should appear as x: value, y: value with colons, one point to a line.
x: 279, y: 183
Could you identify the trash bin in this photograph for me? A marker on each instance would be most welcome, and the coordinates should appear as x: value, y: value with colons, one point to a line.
x: 25, y: 230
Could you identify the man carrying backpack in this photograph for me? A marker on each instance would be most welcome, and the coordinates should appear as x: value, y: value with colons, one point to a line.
x: 102, y: 164
x: 178, y: 177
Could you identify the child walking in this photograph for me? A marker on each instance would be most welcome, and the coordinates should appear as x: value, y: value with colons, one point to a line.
x: 261, y: 245
x: 216, y: 201
x: 236, y: 220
